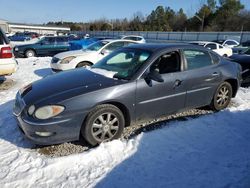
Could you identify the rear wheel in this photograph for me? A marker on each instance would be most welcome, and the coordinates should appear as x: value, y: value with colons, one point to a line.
x: 83, y: 64
x: 225, y: 55
x: 104, y: 123
x: 222, y: 97
x: 30, y: 53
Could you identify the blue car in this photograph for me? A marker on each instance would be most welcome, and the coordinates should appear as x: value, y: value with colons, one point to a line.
x: 84, y: 43
x: 46, y: 46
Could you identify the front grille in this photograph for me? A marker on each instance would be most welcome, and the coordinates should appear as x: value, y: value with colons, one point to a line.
x: 55, y: 60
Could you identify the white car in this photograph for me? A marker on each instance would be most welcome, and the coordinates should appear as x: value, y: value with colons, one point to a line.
x: 230, y: 43
x: 136, y: 38
x: 218, y: 48
x: 8, y: 64
x: 87, y: 57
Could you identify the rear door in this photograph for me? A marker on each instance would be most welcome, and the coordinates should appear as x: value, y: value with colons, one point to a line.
x: 46, y: 47
x: 201, y: 76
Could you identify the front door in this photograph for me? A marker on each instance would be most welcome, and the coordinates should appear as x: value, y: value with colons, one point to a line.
x: 153, y: 98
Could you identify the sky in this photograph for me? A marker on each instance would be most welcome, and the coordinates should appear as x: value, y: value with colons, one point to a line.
x: 43, y: 11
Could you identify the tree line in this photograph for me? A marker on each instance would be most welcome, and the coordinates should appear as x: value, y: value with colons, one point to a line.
x: 213, y: 15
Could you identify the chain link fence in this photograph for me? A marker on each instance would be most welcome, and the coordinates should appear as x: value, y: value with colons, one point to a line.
x: 174, y: 36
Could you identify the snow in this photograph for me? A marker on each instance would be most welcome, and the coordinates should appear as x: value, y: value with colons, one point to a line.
x: 106, y: 73
x: 209, y: 151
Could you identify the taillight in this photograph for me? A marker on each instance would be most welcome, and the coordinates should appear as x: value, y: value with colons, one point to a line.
x: 6, y: 52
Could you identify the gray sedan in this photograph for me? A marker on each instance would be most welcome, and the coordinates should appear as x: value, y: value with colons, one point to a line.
x: 131, y: 85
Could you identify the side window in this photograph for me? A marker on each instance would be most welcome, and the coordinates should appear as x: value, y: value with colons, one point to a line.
x: 61, y: 39
x: 230, y: 42
x: 211, y: 46
x: 167, y: 63
x: 197, y: 59
x: 128, y: 43
x: 113, y: 46
x: 49, y: 40
x: 220, y: 46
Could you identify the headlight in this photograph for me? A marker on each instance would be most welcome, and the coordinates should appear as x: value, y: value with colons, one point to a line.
x: 67, y: 60
x: 47, y: 112
x: 16, y: 48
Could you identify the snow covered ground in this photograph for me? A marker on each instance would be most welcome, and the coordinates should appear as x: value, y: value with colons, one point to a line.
x: 209, y: 151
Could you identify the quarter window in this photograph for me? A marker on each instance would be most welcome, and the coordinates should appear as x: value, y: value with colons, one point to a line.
x: 197, y: 59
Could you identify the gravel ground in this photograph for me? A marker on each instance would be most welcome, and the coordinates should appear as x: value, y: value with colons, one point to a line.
x: 129, y: 132
x: 6, y: 84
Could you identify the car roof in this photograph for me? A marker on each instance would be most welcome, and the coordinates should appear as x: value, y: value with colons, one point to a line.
x: 118, y: 40
x: 161, y: 46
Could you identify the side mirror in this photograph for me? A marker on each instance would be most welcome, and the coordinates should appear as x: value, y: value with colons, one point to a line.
x: 104, y: 52
x: 155, y: 75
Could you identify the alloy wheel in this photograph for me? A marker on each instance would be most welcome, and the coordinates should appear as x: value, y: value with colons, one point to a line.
x: 105, y: 127
x: 223, y: 96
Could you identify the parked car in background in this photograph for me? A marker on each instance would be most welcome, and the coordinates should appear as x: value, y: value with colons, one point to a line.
x: 23, y: 36
x: 8, y: 64
x: 244, y: 60
x: 46, y: 46
x: 87, y: 57
x: 228, y: 43
x: 136, y: 38
x: 246, y: 43
x: 84, y: 43
x: 218, y: 48
x: 131, y: 85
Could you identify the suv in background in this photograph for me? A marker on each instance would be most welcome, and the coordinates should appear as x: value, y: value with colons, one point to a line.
x: 138, y: 39
x: 46, y: 46
x: 228, y: 43
x: 8, y: 64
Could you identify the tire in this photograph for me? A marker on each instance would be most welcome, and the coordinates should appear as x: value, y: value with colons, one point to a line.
x: 83, y: 64
x: 30, y: 53
x: 225, y: 55
x: 222, y: 97
x: 97, y: 128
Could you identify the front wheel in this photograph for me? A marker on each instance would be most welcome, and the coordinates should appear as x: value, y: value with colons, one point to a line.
x: 104, y: 123
x: 83, y: 64
x: 222, y: 97
x: 30, y: 53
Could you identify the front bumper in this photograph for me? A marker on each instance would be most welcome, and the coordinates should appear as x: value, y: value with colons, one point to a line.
x: 8, y: 66
x: 61, y: 131
x: 61, y: 128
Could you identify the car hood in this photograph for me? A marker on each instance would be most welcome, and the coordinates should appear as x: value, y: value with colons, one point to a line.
x: 73, y: 53
x: 241, y: 58
x: 64, y: 85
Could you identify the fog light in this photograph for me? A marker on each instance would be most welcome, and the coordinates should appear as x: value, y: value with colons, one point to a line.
x: 44, y: 134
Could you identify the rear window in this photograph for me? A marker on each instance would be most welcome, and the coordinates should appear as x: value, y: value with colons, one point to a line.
x: 3, y: 38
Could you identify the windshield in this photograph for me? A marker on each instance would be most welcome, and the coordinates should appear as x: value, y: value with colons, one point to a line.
x: 123, y: 63
x: 247, y: 52
x: 97, y: 45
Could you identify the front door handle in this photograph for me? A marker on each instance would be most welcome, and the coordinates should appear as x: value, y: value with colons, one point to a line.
x: 215, y: 74
x: 177, y: 83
